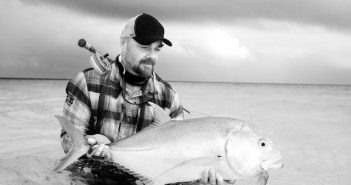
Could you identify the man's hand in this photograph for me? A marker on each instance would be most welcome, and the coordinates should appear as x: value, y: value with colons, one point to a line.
x: 211, y: 177
x: 100, y: 150
x: 97, y: 139
x: 98, y: 143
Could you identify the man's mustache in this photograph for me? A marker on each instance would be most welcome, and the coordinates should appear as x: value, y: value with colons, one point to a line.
x: 148, y: 61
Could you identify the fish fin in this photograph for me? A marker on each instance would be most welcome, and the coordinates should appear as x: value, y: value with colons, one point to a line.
x: 149, y: 182
x: 181, y: 170
x: 262, y: 178
x: 156, y: 183
x: 79, y: 148
x: 142, y: 180
x: 161, y: 115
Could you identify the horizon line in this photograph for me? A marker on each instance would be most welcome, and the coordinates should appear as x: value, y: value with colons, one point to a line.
x: 189, y: 81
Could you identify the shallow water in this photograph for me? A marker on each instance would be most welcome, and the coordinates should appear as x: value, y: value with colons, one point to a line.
x: 311, y: 124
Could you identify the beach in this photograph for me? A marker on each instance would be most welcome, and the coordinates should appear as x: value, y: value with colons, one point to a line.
x: 310, y: 124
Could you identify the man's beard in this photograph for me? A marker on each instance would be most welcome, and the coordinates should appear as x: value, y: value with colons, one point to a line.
x: 145, y: 68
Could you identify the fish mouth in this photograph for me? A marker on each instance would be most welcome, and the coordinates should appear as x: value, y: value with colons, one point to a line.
x: 274, y: 163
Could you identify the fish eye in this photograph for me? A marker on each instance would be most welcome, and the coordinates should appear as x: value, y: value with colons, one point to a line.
x: 262, y: 143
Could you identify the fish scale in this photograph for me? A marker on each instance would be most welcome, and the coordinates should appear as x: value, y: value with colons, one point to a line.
x: 176, y: 147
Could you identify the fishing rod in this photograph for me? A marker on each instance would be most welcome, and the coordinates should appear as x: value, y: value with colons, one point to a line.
x: 101, y: 63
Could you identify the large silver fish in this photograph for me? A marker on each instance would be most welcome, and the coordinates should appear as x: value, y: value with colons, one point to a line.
x: 180, y: 151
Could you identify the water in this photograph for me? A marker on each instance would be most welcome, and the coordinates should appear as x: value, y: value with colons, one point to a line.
x: 311, y: 124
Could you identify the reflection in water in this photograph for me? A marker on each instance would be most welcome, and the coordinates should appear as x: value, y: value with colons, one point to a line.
x: 93, y: 171
x: 99, y: 172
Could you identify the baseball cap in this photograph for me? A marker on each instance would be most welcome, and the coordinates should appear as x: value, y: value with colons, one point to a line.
x: 145, y: 29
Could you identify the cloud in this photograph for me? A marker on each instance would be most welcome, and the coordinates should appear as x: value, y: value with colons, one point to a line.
x: 41, y: 41
x: 320, y: 12
x: 225, y: 46
x: 208, y: 42
x: 283, y: 53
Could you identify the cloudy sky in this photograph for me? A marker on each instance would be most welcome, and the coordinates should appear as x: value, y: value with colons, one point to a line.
x: 260, y: 41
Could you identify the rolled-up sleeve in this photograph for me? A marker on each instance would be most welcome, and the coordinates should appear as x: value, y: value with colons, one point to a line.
x: 76, y: 108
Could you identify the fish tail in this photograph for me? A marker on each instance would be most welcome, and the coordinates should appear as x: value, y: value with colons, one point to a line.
x: 79, y: 148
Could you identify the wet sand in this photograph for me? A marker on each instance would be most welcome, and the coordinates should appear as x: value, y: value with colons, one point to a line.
x: 311, y: 125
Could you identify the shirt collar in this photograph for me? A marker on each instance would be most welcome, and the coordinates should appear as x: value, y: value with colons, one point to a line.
x: 115, y: 77
x: 114, y: 71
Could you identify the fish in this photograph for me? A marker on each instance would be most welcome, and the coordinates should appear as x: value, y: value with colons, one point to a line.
x: 173, y: 151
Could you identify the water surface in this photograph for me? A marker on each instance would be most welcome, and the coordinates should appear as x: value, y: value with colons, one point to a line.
x: 311, y: 124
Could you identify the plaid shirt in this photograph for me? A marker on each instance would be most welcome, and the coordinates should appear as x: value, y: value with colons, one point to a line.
x: 95, y: 104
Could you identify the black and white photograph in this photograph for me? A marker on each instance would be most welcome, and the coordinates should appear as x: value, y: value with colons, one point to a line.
x: 198, y: 92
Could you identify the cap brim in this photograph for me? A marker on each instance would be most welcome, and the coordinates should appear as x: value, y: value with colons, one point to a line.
x: 166, y: 41
x: 150, y: 40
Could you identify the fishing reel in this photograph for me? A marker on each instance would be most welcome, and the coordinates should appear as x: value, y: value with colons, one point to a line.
x: 101, y: 63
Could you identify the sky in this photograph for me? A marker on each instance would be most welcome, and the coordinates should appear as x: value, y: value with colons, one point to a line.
x: 248, y: 41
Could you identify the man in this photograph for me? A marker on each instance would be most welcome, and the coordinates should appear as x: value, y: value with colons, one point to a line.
x: 110, y: 106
